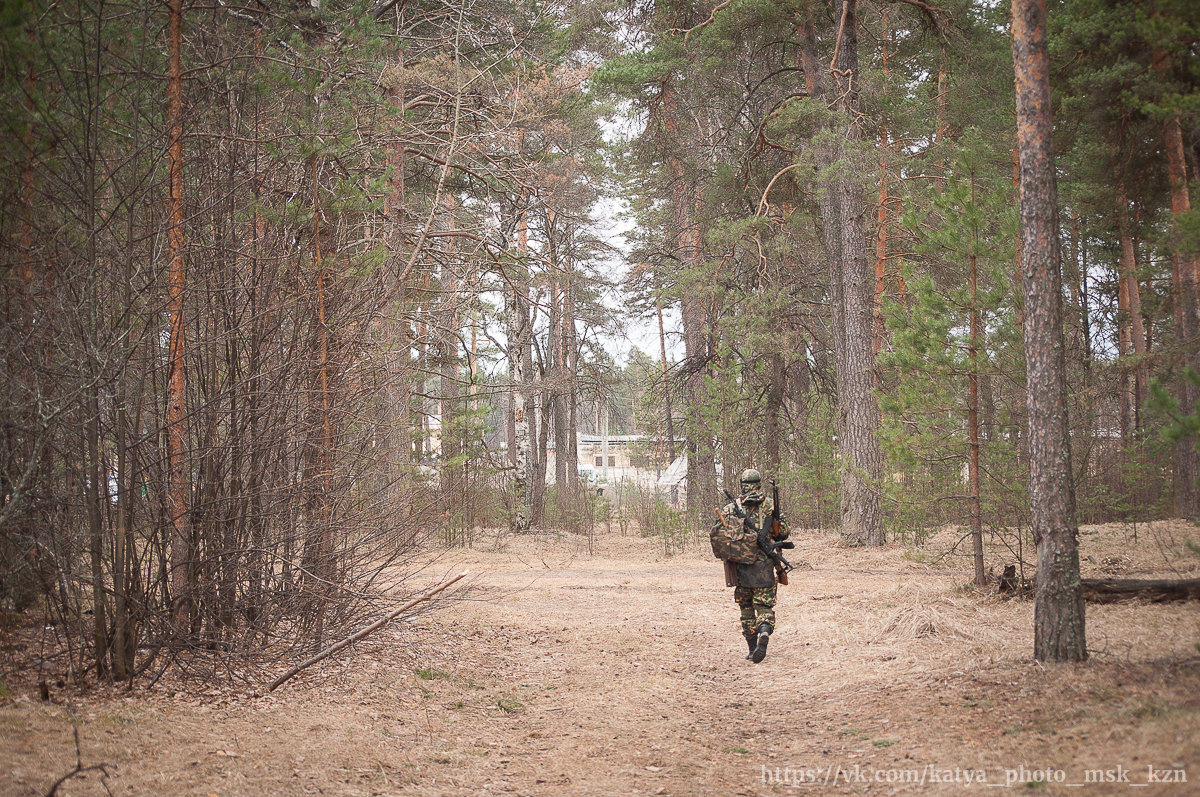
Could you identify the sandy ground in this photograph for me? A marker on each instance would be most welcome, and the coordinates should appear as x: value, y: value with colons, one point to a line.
x: 610, y: 668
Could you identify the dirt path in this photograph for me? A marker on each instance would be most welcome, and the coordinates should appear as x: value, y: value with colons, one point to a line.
x: 621, y: 671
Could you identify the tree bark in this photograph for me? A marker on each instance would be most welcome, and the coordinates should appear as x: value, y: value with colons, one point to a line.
x: 25, y: 241
x: 451, y: 470
x: 669, y: 421
x: 943, y: 102
x: 1085, y: 310
x: 1184, y: 294
x: 520, y: 362
x: 400, y: 388
x: 1107, y: 590
x: 1125, y: 346
x: 557, y: 354
x: 701, y: 467
x: 321, y: 540
x: 122, y: 650
x: 422, y: 345
x: 973, y: 346
x: 851, y: 296
x: 1132, y: 332
x: 1019, y: 249
x: 454, y: 499
x: 96, y: 477
x: 177, y: 487
x: 773, y: 410
x: 881, y: 235
x: 1059, y: 612
x: 571, y: 359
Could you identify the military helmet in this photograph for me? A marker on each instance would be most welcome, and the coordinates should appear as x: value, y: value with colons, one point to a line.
x: 751, y: 476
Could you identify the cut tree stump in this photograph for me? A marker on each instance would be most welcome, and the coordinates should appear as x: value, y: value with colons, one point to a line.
x: 1164, y: 590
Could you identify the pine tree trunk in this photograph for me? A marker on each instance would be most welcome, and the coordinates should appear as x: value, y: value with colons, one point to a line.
x: 400, y: 386
x: 556, y: 352
x: 973, y: 475
x: 256, y: 560
x: 1085, y: 311
x: 572, y: 362
x: 453, y: 497
x: 701, y: 470
x: 701, y: 467
x: 881, y: 215
x: 177, y: 487
x: 124, y: 544
x: 881, y: 234
x: 420, y: 444
x: 122, y: 662
x: 773, y: 409
x: 1184, y: 293
x: 321, y: 540
x: 810, y: 62
x: 666, y: 384
x: 94, y: 496
x: 1075, y: 352
x: 1141, y: 343
x: 1059, y: 612
x: 542, y: 424
x: 1018, y: 251
x: 851, y: 296
x: 1133, y: 331
x: 1125, y: 346
x: 25, y: 242
x: 558, y: 411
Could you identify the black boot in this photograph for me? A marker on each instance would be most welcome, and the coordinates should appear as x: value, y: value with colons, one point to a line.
x: 760, y: 650
x: 751, y: 643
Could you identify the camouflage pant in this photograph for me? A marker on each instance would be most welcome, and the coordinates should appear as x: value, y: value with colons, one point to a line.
x: 758, y: 607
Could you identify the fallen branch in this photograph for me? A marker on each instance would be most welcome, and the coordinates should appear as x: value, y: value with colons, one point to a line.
x: 1109, y: 590
x: 79, y: 767
x: 357, y: 635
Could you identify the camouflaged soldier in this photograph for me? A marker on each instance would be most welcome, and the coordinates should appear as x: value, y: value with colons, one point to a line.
x: 756, y: 579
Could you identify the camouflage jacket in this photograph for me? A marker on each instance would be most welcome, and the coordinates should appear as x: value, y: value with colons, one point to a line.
x: 759, y: 574
x: 756, y: 514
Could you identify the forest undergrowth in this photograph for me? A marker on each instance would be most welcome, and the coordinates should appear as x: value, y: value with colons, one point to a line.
x: 606, y: 666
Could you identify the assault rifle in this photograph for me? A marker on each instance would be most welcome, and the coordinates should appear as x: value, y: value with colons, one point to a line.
x: 769, y: 526
x: 776, y: 528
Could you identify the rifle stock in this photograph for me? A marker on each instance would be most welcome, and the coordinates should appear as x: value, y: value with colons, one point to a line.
x: 776, y: 513
x: 776, y: 531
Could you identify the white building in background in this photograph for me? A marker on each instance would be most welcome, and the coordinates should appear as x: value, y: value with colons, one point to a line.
x: 603, y: 460
x: 610, y: 459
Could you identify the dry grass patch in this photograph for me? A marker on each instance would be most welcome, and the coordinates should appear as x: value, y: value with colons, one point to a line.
x: 622, y: 670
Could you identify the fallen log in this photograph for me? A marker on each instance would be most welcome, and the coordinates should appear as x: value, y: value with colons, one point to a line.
x: 357, y: 635
x: 1156, y: 590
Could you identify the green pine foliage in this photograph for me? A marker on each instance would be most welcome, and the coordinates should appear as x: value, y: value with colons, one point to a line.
x: 451, y: 162
x: 927, y: 366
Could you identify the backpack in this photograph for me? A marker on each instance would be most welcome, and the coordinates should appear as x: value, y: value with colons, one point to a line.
x: 734, y: 542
